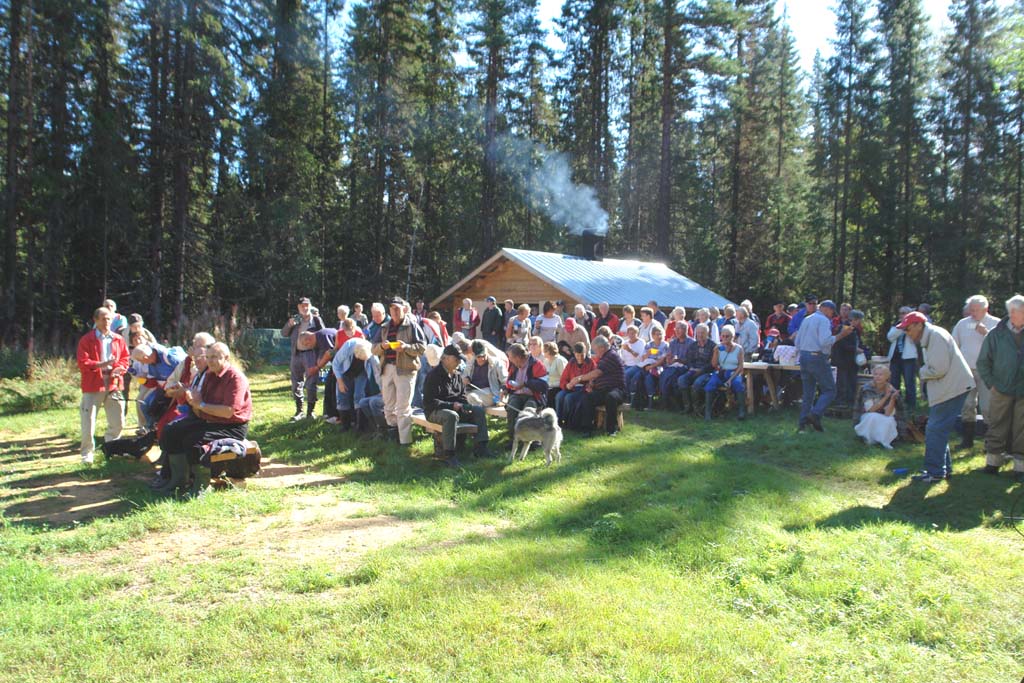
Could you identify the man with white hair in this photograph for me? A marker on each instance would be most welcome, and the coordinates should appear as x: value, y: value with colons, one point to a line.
x: 1000, y: 366
x: 466, y: 320
x: 604, y: 317
x: 747, y: 334
x: 349, y: 369
x: 969, y: 334
x: 814, y: 341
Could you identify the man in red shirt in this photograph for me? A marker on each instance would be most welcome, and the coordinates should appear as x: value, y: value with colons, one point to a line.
x: 780, y: 320
x: 221, y: 410
x: 102, y: 361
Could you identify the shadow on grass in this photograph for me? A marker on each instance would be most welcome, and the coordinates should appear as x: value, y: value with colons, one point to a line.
x: 964, y: 502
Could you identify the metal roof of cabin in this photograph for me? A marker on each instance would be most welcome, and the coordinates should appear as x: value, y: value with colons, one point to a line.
x: 617, y: 281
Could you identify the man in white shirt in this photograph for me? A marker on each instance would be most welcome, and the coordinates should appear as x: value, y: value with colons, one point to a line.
x: 903, y: 360
x: 969, y: 334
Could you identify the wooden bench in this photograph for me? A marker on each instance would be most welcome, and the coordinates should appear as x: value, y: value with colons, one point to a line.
x: 499, y: 411
x: 224, y: 481
x: 461, y: 431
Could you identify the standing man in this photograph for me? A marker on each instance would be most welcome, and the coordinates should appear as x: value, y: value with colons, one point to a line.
x: 301, y: 359
x: 445, y: 402
x: 779, y: 319
x: 809, y: 308
x: 507, y: 315
x: 378, y: 320
x: 399, y: 346
x: 814, y: 341
x: 969, y: 334
x: 948, y: 380
x: 1001, y: 369
x: 102, y: 362
x: 492, y: 327
x: 324, y: 344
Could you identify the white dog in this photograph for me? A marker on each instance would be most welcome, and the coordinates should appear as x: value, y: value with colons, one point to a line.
x: 543, y: 427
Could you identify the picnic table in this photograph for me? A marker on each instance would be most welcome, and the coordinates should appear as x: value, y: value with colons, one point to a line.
x: 754, y: 367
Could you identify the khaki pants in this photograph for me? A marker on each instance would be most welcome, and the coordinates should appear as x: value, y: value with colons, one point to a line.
x: 144, y: 391
x: 1005, y: 435
x: 977, y: 401
x: 397, y: 392
x: 112, y: 406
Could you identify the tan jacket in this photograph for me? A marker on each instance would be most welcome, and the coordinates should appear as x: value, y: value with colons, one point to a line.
x: 407, y: 360
x: 944, y: 368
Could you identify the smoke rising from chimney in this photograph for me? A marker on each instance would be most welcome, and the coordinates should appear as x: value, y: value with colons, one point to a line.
x: 545, y: 177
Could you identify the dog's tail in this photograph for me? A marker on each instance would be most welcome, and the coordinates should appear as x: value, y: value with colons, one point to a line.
x: 550, y: 417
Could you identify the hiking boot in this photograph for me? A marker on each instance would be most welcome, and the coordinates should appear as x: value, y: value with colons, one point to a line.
x: 967, y: 442
x: 481, y: 450
x: 816, y: 422
x: 926, y: 478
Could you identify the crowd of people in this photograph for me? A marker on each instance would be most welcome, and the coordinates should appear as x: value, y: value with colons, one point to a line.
x: 377, y: 371
x: 195, y: 404
x: 402, y: 359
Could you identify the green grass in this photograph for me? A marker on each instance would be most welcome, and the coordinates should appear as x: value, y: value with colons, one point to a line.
x: 678, y: 551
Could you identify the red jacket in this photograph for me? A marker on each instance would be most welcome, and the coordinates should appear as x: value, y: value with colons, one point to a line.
x: 474, y: 322
x: 670, y: 331
x: 611, y: 321
x: 90, y: 355
x: 574, y: 370
x: 536, y: 379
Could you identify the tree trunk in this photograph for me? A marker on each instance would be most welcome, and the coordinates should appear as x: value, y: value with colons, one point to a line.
x: 662, y: 226
x: 13, y: 196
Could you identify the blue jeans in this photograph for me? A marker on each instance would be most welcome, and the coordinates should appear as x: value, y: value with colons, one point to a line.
x: 632, y: 373
x: 348, y: 400
x: 718, y: 380
x: 816, y: 374
x: 941, y: 419
x: 567, y: 403
x: 670, y: 379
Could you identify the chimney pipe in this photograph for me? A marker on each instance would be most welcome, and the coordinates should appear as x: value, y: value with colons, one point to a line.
x: 591, y: 246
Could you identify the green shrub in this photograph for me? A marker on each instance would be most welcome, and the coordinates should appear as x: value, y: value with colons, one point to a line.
x: 13, y: 363
x: 22, y: 396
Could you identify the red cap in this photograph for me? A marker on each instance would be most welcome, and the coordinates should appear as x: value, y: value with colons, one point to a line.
x: 774, y: 332
x: 910, y: 319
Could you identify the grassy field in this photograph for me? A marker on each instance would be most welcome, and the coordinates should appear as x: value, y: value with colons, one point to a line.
x: 677, y: 551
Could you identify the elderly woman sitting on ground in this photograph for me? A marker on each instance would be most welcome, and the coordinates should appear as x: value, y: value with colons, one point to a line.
x: 878, y: 410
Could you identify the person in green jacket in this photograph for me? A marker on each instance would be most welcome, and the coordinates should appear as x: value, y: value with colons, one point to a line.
x: 1001, y: 368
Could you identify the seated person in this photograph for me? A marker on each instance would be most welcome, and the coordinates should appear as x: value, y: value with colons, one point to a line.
x: 613, y: 339
x: 632, y: 354
x: 652, y: 365
x: 555, y: 364
x: 156, y: 363
x: 189, y: 375
x: 348, y: 368
x: 878, y: 410
x: 527, y: 384
x: 221, y: 409
x: 698, y: 368
x: 606, y: 386
x: 572, y: 332
x: 675, y: 363
x: 445, y: 403
x: 517, y: 331
x: 727, y: 362
x: 370, y: 409
x: 570, y: 391
x: 485, y: 373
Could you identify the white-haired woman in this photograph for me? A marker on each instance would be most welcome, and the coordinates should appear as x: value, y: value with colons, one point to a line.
x: 878, y: 410
x: 727, y: 361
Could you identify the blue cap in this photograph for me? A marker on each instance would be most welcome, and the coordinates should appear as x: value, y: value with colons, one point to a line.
x: 828, y: 302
